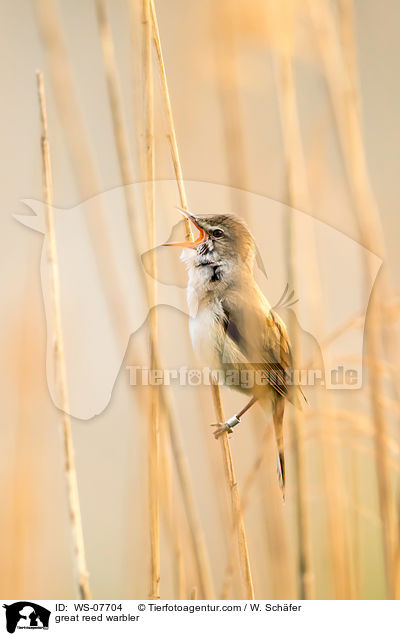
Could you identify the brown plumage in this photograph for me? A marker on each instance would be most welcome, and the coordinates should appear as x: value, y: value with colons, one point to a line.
x: 232, y: 325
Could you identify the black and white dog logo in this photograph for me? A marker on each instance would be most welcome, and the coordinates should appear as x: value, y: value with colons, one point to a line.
x: 26, y: 615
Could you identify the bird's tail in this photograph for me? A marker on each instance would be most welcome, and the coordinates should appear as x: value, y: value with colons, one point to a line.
x: 278, y: 409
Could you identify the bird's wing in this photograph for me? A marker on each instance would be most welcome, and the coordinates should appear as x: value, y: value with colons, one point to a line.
x: 278, y: 344
x: 277, y: 352
x: 262, y: 339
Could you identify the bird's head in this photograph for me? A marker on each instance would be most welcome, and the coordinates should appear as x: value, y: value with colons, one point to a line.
x: 222, y: 238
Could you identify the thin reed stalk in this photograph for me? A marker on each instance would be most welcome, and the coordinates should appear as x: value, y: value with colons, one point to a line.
x: 244, y: 498
x: 298, y: 199
x: 196, y: 534
x: 171, y: 126
x: 228, y: 463
x: 170, y: 510
x: 348, y: 45
x: 173, y: 439
x: 226, y: 20
x: 343, y: 95
x: 193, y: 594
x: 62, y: 388
x: 354, y: 425
x: 198, y: 542
x: 237, y: 513
x: 114, y: 93
x: 80, y: 152
x: 153, y: 430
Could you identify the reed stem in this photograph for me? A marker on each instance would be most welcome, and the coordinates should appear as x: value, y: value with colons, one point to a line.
x: 298, y: 198
x: 80, y: 152
x: 343, y: 95
x: 114, y: 93
x: 228, y: 464
x: 171, y: 126
x: 153, y: 430
x: 59, y: 357
x: 237, y: 513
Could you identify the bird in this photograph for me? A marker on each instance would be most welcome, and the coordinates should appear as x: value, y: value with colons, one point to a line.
x: 232, y: 325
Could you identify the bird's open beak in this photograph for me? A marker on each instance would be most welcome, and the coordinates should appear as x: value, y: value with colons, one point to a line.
x: 202, y: 238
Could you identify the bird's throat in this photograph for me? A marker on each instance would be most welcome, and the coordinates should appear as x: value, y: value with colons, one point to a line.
x: 216, y: 273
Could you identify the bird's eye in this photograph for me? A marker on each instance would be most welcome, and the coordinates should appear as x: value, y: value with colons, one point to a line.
x: 217, y: 233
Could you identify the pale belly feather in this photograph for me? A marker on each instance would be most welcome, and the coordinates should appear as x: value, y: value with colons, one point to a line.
x: 206, y: 334
x: 210, y: 342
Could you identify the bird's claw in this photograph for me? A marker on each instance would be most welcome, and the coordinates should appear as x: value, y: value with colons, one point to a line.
x: 221, y: 428
x: 227, y: 426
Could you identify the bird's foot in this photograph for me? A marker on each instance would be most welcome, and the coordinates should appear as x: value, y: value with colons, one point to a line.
x: 220, y: 429
x: 226, y: 427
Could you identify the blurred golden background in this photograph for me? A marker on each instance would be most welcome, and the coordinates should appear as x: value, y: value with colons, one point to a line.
x: 294, y: 100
